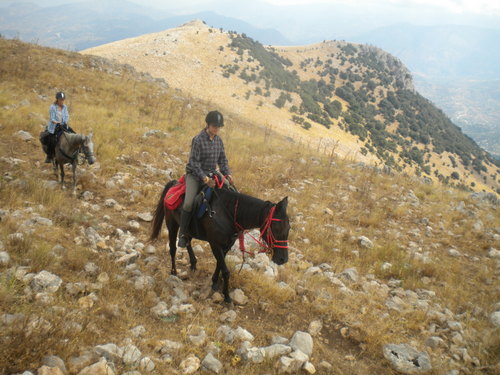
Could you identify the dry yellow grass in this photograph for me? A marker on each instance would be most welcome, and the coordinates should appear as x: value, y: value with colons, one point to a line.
x: 120, y: 109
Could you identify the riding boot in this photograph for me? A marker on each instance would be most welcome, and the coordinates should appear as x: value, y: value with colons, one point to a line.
x: 185, y: 218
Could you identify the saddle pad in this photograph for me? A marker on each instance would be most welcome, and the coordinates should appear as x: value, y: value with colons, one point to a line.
x: 175, y: 195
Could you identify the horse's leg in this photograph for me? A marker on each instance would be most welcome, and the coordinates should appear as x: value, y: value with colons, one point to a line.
x: 192, y: 257
x: 221, y: 267
x: 55, y: 165
x: 61, y: 169
x: 173, y: 228
x: 73, y: 167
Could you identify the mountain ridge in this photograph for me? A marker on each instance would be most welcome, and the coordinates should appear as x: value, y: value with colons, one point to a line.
x: 271, y: 83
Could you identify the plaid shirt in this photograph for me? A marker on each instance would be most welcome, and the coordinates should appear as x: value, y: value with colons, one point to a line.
x: 205, y: 155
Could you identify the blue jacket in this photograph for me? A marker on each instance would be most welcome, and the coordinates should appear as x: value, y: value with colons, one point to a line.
x: 51, y: 126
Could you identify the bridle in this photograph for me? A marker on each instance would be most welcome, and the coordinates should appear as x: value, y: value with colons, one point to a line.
x: 266, y: 240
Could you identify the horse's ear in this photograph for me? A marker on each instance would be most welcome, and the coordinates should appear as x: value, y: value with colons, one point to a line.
x: 282, y: 205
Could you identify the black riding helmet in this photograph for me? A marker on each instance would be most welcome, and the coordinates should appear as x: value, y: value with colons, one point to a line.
x: 60, y: 95
x: 215, y: 118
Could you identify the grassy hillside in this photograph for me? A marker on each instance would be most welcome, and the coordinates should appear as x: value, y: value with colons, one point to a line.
x: 431, y: 270
x: 339, y: 97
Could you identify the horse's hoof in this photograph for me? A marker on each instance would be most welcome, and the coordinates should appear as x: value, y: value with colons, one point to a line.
x: 173, y: 272
x: 229, y: 301
x: 193, y: 268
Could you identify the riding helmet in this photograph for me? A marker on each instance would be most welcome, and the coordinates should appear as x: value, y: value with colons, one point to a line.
x: 60, y: 95
x: 215, y: 118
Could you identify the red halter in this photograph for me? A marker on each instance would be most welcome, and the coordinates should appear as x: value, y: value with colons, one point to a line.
x: 264, y: 231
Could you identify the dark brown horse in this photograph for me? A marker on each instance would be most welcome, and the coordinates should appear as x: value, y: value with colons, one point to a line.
x: 231, y: 212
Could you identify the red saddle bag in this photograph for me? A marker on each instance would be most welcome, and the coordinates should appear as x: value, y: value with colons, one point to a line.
x: 175, y: 195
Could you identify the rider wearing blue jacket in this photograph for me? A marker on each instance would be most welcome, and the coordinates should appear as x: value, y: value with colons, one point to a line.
x: 58, y: 122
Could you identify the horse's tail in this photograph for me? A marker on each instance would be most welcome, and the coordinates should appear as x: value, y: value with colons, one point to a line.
x: 159, y: 214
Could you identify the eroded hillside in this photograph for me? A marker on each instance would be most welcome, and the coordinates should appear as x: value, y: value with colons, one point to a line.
x: 375, y: 258
x: 341, y: 98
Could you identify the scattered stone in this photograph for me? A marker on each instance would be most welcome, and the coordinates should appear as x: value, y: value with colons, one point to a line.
x: 110, y: 203
x: 155, y: 133
x: 288, y: 365
x: 454, y: 326
x: 302, y: 341
x: 138, y: 331
x: 226, y: 333
x: 46, y: 370
x: 211, y: 363
x: 75, y: 364
x: 144, y: 282
x: 315, y: 327
x: 91, y: 269
x: 145, y: 216
x: 131, y: 354
x: 407, y: 360
x: 239, y: 297
x: 243, y: 335
x: 494, y: 253
x: 24, y: 135
x: 99, y: 368
x: 276, y: 350
x: 146, y: 364
x: 198, y: 337
x: 190, y: 365
x: 365, y: 242
x: 45, y: 281
x: 253, y: 354
x: 87, y: 196
x: 495, y: 318
x: 434, y: 342
x: 350, y: 274
x: 134, y: 225
x: 279, y: 340
x: 111, y: 352
x: 161, y: 310
x: 228, y: 316
x: 4, y: 258
x: 309, y: 368
x: 168, y: 346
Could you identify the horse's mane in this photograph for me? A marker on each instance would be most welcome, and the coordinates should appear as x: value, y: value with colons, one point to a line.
x: 248, y: 206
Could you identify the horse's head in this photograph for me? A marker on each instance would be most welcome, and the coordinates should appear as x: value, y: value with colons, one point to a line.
x: 88, y: 149
x: 279, y: 228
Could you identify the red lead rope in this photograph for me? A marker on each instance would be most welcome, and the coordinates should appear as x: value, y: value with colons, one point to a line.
x: 266, y: 230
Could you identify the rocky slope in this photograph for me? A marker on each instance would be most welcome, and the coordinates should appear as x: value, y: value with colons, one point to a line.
x: 386, y: 274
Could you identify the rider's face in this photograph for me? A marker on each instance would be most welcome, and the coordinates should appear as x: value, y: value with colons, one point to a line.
x: 213, y: 130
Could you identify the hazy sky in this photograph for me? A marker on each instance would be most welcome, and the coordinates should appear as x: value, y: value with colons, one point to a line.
x: 486, y: 7
x: 308, y: 21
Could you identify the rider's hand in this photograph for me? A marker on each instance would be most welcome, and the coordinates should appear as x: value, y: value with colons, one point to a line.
x: 209, y: 182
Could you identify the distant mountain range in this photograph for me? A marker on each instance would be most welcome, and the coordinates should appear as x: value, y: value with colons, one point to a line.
x: 77, y: 26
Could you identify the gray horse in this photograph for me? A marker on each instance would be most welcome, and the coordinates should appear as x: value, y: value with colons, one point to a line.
x: 67, y: 150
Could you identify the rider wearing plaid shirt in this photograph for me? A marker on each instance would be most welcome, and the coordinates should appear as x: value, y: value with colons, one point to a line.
x: 207, y: 152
